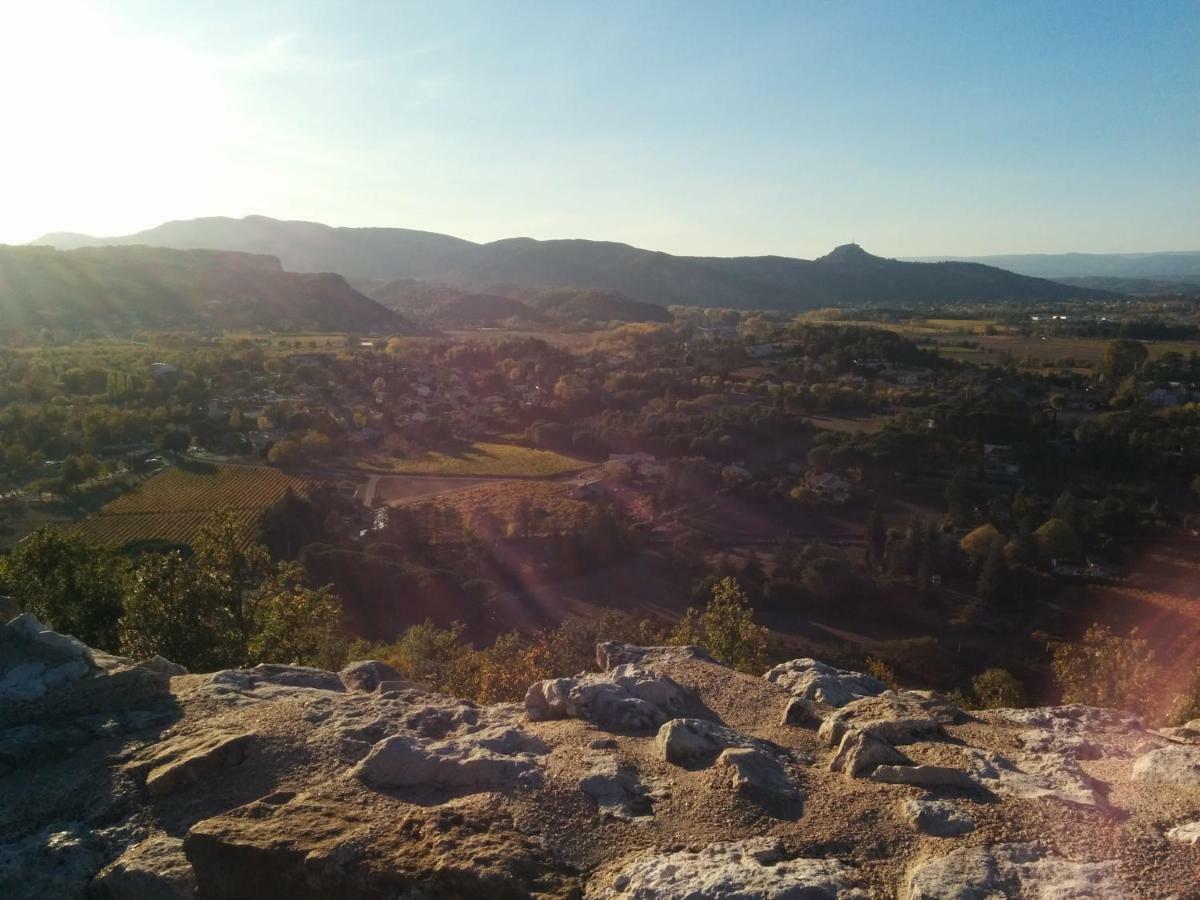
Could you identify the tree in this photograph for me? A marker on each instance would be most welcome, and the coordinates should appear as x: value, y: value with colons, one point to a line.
x: 726, y: 629
x: 1057, y: 540
x: 1104, y: 669
x: 71, y: 586
x: 997, y: 689
x: 876, y: 538
x: 978, y: 543
x: 175, y: 441
x: 1122, y: 358
x: 993, y: 576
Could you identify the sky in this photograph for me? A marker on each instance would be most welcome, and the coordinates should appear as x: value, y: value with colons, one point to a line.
x: 737, y: 128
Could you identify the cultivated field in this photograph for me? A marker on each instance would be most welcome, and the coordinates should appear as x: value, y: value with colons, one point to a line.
x: 551, y: 506
x: 177, y: 503
x: 479, y: 459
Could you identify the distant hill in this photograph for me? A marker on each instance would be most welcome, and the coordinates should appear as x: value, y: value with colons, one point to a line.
x: 114, y: 290
x: 595, y: 305
x: 847, y: 275
x: 1136, y: 287
x: 1182, y: 266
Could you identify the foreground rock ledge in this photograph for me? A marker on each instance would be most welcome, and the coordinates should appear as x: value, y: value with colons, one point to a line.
x: 664, y: 775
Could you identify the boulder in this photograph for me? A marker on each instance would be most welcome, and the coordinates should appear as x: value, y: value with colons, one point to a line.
x: 59, y: 860
x: 497, y: 757
x: 895, y: 717
x: 1036, y: 777
x: 800, y: 712
x: 930, y: 777
x: 753, y: 869
x: 757, y: 775
x: 610, y: 654
x: 626, y: 698
x: 1177, y: 765
x: 155, y: 869
x: 859, y: 754
x: 367, y: 675
x: 939, y: 818
x: 1014, y: 870
x: 186, y: 760
x: 1187, y: 833
x: 618, y: 790
x: 267, y: 683
x: 813, y: 680
x: 1085, y: 732
x: 684, y: 741
x: 1187, y: 733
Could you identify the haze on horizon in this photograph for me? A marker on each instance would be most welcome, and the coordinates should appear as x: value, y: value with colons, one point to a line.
x: 914, y: 129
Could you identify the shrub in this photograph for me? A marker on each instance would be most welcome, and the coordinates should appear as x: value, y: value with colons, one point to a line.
x: 1104, y: 669
x: 996, y: 689
x: 726, y: 629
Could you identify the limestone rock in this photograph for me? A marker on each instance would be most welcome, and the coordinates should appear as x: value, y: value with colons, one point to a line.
x: 895, y: 717
x: 265, y: 683
x: 1014, y: 870
x: 683, y: 741
x: 155, y: 869
x: 757, y: 775
x: 1174, y: 765
x: 813, y: 680
x: 1035, y: 777
x: 619, y: 791
x: 367, y: 674
x: 1085, y: 732
x: 163, y: 667
x: 494, y: 758
x: 183, y: 761
x: 940, y: 818
x: 932, y: 777
x: 59, y: 860
x: 611, y: 654
x: 299, y: 847
x: 626, y: 698
x: 1187, y: 733
x: 859, y: 754
x: 800, y: 712
x: 753, y: 869
x: 1187, y: 833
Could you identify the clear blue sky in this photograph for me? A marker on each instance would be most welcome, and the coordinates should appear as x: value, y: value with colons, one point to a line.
x: 709, y: 128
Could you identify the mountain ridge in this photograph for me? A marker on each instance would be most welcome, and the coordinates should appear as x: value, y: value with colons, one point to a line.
x: 847, y: 275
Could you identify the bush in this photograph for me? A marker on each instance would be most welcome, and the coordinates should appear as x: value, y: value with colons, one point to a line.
x: 997, y: 689
x: 726, y: 629
x: 1104, y: 669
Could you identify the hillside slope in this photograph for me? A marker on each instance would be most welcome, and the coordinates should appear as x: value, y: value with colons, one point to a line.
x: 665, y: 775
x: 113, y: 290
x: 1175, y: 266
x: 847, y: 275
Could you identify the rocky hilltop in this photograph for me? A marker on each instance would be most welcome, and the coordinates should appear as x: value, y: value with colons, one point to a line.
x: 661, y: 775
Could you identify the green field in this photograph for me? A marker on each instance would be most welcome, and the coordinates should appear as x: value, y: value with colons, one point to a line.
x: 480, y: 458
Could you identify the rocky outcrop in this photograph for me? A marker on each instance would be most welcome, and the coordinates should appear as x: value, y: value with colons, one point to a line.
x: 120, y: 779
x: 626, y: 698
x: 154, y: 869
x: 939, y: 818
x: 499, y: 757
x: 1176, y: 765
x: 745, y: 870
x: 619, y: 791
x: 1014, y: 870
x: 813, y: 680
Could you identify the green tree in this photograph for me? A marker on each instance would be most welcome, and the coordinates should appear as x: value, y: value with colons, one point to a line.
x: 71, y: 586
x: 1104, y: 669
x: 726, y: 629
x: 997, y: 689
x: 876, y: 538
x: 1123, y: 358
x: 993, y: 576
x: 978, y: 543
x: 1056, y: 539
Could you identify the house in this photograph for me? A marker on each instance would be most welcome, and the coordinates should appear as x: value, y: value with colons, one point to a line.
x: 1069, y: 568
x: 161, y: 370
x: 999, y: 462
